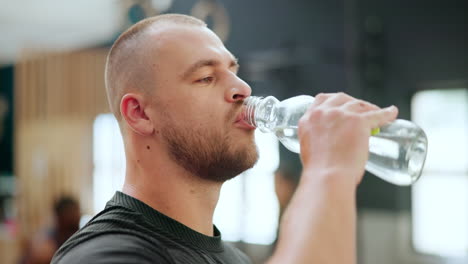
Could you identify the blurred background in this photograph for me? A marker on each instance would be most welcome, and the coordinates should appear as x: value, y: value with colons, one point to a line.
x: 59, y: 144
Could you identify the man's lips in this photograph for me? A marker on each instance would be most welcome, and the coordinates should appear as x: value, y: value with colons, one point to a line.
x: 240, y: 121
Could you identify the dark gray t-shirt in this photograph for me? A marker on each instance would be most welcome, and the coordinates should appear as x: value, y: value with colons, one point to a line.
x: 129, y: 231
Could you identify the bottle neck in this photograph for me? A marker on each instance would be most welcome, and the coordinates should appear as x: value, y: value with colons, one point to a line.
x: 251, y: 104
x: 260, y: 112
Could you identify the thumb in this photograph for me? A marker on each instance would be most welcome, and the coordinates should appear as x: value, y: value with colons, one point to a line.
x: 381, y: 117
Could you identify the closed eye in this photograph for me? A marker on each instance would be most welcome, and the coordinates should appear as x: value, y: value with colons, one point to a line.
x: 208, y: 79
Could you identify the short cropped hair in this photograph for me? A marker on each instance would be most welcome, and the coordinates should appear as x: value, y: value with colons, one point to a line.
x: 125, y: 65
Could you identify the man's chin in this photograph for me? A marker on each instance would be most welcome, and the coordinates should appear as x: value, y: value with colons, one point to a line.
x: 239, y: 163
x: 249, y: 157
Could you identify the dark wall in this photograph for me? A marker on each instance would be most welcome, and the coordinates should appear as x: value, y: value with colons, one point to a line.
x: 310, y: 33
x: 423, y: 42
x: 6, y: 142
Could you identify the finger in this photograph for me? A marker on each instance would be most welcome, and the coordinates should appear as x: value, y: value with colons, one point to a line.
x: 381, y: 117
x: 359, y: 106
x: 338, y: 99
x: 321, y: 97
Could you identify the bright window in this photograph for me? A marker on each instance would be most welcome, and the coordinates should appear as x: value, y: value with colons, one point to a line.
x: 109, y: 160
x: 247, y: 210
x: 440, y: 197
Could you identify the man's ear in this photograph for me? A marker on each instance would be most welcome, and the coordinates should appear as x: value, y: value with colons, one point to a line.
x: 132, y: 109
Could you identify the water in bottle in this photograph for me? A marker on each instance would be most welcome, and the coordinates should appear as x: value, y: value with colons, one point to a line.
x: 396, y: 154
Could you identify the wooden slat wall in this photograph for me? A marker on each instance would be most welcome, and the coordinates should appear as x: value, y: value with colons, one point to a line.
x: 57, y: 97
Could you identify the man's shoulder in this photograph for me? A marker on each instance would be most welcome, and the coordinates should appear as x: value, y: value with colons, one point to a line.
x: 112, y: 248
x: 116, y: 231
x: 234, y: 254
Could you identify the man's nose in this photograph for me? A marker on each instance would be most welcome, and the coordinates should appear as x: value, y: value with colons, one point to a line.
x: 238, y: 90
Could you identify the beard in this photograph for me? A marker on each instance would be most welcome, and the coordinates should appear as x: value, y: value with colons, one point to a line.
x: 208, y: 153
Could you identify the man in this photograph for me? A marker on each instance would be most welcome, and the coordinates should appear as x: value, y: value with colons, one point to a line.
x: 172, y: 86
x: 67, y: 221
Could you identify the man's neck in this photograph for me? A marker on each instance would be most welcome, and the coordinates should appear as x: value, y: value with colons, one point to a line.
x: 174, y: 192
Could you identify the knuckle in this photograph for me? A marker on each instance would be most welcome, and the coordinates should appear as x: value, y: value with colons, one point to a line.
x: 349, y: 114
x: 302, y: 121
x: 360, y: 102
x: 304, y: 124
x: 373, y: 106
x: 321, y: 96
x: 334, y: 113
x: 357, y: 119
x: 353, y: 118
x: 342, y: 95
x: 301, y: 129
x: 305, y: 119
x: 345, y: 98
x: 317, y: 113
x: 364, y: 104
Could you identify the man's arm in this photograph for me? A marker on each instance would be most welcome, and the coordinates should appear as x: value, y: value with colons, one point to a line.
x: 319, y: 226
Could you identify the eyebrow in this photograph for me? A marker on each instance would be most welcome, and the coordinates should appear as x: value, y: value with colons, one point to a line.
x: 204, y: 63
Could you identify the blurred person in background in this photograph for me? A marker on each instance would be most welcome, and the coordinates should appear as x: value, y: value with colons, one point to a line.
x: 174, y: 89
x: 66, y: 222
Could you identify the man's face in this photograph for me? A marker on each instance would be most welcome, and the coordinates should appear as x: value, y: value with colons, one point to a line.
x: 197, y: 102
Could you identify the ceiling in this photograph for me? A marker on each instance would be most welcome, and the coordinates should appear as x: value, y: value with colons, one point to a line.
x: 57, y: 25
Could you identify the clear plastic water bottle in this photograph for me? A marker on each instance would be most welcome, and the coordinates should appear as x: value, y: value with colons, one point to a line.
x: 396, y: 153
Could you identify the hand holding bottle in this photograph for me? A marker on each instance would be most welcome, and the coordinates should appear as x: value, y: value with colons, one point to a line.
x: 334, y: 133
x: 397, y: 150
x: 320, y: 222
